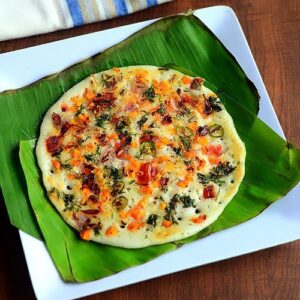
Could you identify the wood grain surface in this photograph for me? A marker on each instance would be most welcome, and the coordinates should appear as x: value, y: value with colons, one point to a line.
x: 272, y: 28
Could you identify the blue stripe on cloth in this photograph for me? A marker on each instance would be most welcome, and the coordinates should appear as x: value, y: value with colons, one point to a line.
x: 121, y: 7
x: 75, y: 12
x: 151, y: 3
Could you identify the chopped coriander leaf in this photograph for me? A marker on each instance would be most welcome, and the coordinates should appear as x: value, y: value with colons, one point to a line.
x: 178, y: 151
x: 161, y: 109
x: 186, y: 143
x: 114, y: 173
x: 66, y: 166
x: 122, y: 124
x: 217, y: 173
x: 142, y: 121
x: 101, y: 120
x: 223, y: 169
x: 152, y: 220
x: 149, y: 93
x: 187, y: 201
x: 89, y: 157
x: 147, y: 132
x: 79, y: 111
x: 203, y: 178
x: 187, y: 162
x: 171, y: 210
x: 68, y: 201
x: 105, y: 78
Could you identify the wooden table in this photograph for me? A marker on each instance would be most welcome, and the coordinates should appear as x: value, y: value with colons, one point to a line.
x: 273, y: 32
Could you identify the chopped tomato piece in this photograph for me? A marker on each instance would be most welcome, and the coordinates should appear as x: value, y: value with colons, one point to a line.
x: 53, y: 144
x: 91, y: 211
x: 163, y: 181
x: 196, y: 83
x: 120, y: 145
x: 167, y: 119
x: 216, y: 150
x: 93, y: 198
x: 208, y: 192
x: 56, y: 119
x: 101, y: 139
x: 66, y: 126
x: 148, y: 138
x: 146, y: 173
x: 200, y: 163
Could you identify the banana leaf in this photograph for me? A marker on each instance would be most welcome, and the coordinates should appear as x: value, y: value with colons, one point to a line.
x: 272, y: 166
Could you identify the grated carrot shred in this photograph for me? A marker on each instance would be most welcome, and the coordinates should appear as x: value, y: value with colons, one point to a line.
x: 199, y: 219
x: 86, y: 234
x: 167, y: 223
x: 111, y: 231
x: 56, y: 164
x: 186, y: 80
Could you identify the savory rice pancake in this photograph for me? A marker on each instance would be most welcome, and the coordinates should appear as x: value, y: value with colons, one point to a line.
x: 140, y: 155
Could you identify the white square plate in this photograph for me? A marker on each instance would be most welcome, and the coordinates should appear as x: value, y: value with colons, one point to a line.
x: 278, y: 224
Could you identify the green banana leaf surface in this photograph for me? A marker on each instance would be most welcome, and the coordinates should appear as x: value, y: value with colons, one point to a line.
x: 272, y: 164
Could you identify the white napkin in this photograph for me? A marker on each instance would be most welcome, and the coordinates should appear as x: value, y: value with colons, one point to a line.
x: 20, y: 18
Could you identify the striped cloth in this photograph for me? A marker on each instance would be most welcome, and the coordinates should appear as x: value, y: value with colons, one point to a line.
x: 20, y: 18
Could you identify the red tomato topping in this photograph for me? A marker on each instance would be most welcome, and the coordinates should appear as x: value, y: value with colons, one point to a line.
x: 216, y: 150
x: 154, y: 172
x: 120, y: 145
x: 56, y: 119
x: 93, y: 198
x: 186, y: 99
x: 208, y: 192
x: 167, y: 119
x: 53, y: 144
x: 130, y: 107
x: 148, y: 138
x: 119, y: 153
x: 200, y: 162
x: 163, y: 181
x: 115, y: 119
x: 105, y: 157
x: 101, y: 139
x: 91, y: 211
x: 87, y: 170
x: 103, y: 101
x: 104, y: 97
x: 146, y: 173
x: 196, y: 83
x: 65, y: 128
